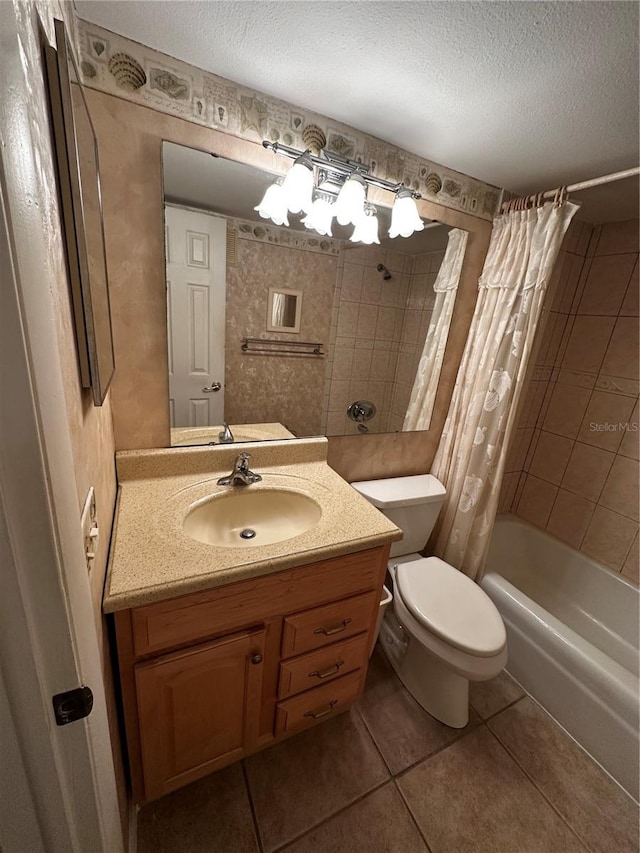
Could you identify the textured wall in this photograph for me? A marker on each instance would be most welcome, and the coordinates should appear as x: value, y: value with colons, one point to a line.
x: 90, y: 427
x: 282, y: 388
x: 130, y: 142
x: 573, y: 464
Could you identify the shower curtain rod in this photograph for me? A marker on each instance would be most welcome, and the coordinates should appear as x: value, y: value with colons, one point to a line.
x: 572, y: 188
x: 596, y: 182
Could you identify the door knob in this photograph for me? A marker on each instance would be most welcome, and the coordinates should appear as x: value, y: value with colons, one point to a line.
x: 257, y: 658
x: 215, y: 386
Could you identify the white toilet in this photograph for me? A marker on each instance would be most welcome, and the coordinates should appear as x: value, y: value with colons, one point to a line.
x: 443, y: 631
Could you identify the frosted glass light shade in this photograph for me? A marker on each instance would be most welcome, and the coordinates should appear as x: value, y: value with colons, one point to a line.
x: 319, y: 217
x: 298, y: 187
x: 404, y: 216
x: 350, y: 203
x: 274, y: 205
x: 366, y: 230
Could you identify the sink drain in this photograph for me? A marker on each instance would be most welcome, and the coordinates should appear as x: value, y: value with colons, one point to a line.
x: 247, y: 533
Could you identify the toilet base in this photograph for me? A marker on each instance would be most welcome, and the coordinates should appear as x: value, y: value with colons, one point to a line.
x: 441, y: 692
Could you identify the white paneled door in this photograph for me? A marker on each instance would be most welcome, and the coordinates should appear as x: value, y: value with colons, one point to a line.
x: 196, y: 249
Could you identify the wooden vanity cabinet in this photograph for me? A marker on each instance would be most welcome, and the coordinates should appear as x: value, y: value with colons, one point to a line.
x: 210, y: 677
x: 199, y: 709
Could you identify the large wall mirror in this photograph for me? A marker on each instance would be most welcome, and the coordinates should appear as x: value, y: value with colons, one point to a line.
x: 280, y: 332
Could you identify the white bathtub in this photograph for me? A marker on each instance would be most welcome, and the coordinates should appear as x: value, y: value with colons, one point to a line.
x: 572, y: 629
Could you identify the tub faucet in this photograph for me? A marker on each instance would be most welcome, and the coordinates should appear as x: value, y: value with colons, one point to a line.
x: 225, y: 435
x: 241, y: 475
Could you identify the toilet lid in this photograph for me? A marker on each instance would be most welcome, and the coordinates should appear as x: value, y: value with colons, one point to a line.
x: 451, y: 606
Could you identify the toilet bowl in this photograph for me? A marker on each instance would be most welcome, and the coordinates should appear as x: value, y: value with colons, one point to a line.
x: 443, y: 631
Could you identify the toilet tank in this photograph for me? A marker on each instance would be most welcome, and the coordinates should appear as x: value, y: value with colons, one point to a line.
x: 412, y: 503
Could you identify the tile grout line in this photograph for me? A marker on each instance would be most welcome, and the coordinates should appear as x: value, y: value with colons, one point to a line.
x: 437, y: 751
x: 411, y: 814
x: 540, y: 791
x: 463, y: 733
x: 331, y: 816
x: 373, y: 740
x: 358, y: 799
x: 256, y: 827
x: 509, y: 705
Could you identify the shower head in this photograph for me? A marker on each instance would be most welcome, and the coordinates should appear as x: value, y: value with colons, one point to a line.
x: 387, y: 275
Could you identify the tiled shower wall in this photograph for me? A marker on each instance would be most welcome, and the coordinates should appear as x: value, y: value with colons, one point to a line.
x: 378, y: 330
x: 573, y: 464
x: 417, y: 317
x: 366, y: 328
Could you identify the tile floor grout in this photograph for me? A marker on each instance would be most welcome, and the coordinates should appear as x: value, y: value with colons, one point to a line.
x: 500, y: 710
x: 411, y: 814
x: 463, y: 733
x: 528, y: 695
x: 537, y: 787
x: 404, y: 813
x: 393, y: 778
x: 331, y: 816
x: 256, y: 827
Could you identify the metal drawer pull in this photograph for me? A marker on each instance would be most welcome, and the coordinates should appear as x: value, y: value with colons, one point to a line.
x: 327, y: 672
x: 329, y: 631
x: 317, y: 716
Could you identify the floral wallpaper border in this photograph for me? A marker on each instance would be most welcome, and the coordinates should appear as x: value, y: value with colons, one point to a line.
x: 114, y: 64
x: 260, y: 232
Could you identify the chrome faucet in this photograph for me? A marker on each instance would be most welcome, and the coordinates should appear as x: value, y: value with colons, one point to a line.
x: 241, y: 475
x: 225, y: 436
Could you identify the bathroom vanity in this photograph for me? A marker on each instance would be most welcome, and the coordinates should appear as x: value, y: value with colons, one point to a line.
x: 226, y: 649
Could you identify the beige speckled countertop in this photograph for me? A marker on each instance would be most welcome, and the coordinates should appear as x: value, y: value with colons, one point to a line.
x: 184, y: 436
x: 153, y: 559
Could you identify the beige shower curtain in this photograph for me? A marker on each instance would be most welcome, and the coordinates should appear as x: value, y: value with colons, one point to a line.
x: 471, y: 455
x: 445, y: 287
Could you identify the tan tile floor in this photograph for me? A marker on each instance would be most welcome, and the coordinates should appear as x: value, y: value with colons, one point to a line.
x: 387, y: 778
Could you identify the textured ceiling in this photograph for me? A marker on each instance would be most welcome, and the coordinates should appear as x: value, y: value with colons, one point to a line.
x: 523, y: 95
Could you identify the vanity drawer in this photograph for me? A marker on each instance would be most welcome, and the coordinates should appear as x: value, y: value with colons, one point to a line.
x: 234, y: 606
x: 318, y: 704
x: 322, y: 666
x: 321, y: 626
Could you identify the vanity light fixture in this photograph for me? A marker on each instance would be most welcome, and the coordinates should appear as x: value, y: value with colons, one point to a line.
x: 342, y: 179
x: 298, y: 184
x: 366, y: 230
x: 350, y: 202
x: 274, y: 205
x: 405, y: 219
x: 319, y: 216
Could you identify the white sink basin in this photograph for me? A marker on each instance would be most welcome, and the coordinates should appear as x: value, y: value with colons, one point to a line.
x: 247, y: 518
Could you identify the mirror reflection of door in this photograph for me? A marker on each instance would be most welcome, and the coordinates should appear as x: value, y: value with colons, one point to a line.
x: 196, y: 291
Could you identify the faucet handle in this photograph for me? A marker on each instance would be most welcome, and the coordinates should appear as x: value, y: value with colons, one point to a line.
x: 242, y: 461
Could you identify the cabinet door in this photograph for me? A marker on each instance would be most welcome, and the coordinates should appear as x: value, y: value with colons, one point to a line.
x: 199, y: 709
